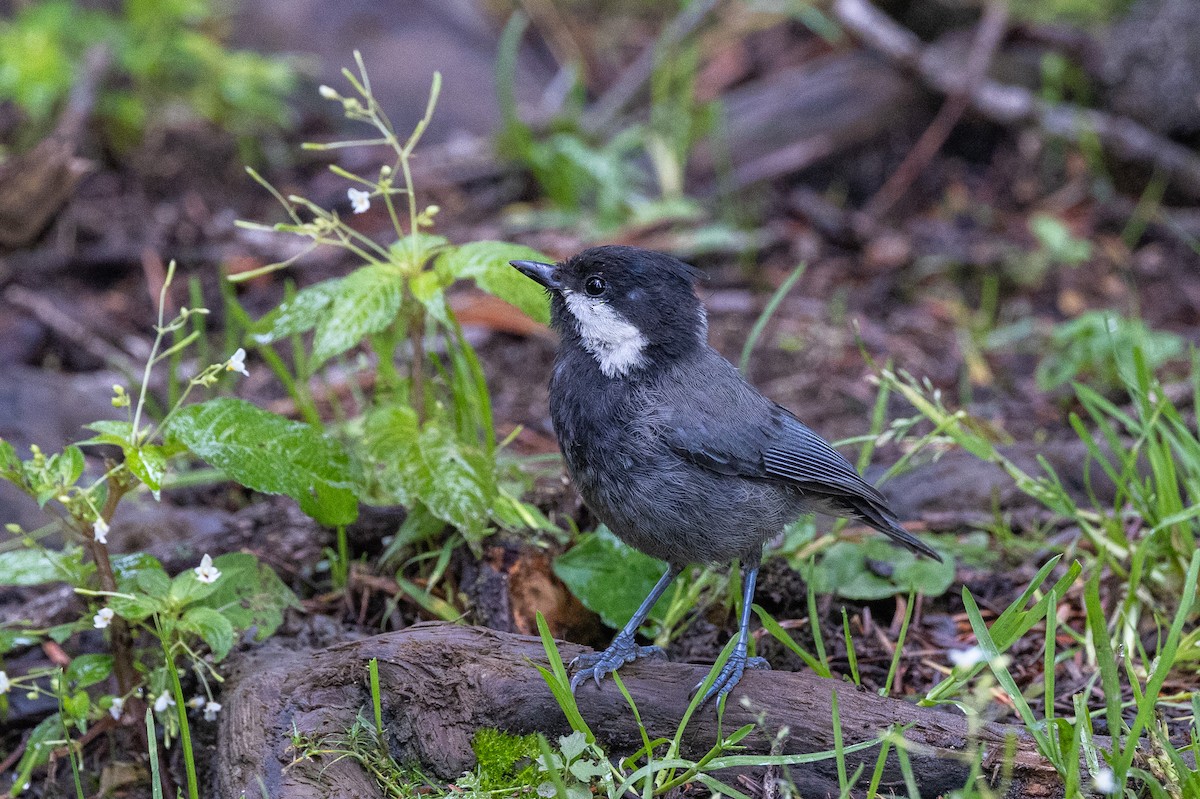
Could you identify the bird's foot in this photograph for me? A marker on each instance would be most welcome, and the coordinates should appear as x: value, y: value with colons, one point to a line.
x: 597, y: 664
x: 730, y: 674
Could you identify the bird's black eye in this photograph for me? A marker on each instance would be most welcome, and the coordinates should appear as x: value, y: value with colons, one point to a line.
x: 594, y: 286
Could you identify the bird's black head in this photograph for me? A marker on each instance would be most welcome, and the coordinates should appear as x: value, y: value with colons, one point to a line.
x: 630, y: 308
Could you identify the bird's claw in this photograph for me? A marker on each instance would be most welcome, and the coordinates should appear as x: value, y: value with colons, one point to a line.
x: 598, y: 664
x: 730, y: 674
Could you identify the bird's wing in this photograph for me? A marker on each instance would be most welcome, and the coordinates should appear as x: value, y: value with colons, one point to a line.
x: 728, y: 427
x: 769, y: 444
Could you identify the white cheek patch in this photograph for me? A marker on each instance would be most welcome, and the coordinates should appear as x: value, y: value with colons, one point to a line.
x: 613, y: 340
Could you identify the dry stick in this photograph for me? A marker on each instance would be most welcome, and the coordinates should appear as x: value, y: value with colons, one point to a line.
x: 1015, y: 105
x: 983, y: 49
x: 69, y: 328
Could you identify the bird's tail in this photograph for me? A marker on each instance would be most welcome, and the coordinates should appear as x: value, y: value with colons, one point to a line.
x: 882, y: 519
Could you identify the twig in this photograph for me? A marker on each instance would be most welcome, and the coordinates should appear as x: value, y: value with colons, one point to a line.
x: 69, y: 328
x: 983, y: 49
x: 1015, y: 105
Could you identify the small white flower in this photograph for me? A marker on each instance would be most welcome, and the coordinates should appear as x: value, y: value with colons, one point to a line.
x: 117, y: 708
x: 966, y: 658
x: 1104, y: 781
x: 103, y: 618
x: 237, y: 363
x: 328, y: 92
x: 100, y: 531
x: 196, y: 702
x: 164, y: 701
x: 206, y: 572
x: 211, y: 709
x: 360, y: 200
x: 5, y: 683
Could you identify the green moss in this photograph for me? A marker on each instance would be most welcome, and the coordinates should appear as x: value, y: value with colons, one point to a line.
x: 505, y: 761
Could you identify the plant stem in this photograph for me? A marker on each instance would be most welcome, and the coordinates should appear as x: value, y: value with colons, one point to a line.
x: 122, y: 639
x: 416, y: 365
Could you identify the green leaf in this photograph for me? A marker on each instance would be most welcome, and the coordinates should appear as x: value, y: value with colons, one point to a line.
x: 428, y: 289
x: 572, y: 745
x: 297, y: 315
x: 875, y: 569
x: 88, y: 670
x: 38, y: 747
x: 216, y: 630
x: 122, y: 431
x: 274, y: 455
x: 67, y: 466
x: 148, y: 464
x: 187, y: 588
x: 38, y: 566
x: 609, y: 576
x: 456, y: 482
x: 154, y: 582
x: 75, y: 705
x: 136, y: 607
x: 486, y: 262
x: 127, y: 567
x: 366, y: 302
x: 414, y: 250
x: 9, y: 462
x: 249, y: 594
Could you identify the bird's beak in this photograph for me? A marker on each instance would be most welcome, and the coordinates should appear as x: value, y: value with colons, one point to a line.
x: 546, y: 274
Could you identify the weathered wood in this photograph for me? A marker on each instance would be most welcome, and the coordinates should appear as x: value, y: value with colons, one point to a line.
x: 441, y: 683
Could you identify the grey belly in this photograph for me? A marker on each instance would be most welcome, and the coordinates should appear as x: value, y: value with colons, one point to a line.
x: 683, y: 514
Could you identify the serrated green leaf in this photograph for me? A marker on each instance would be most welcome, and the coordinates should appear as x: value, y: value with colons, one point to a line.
x: 104, y: 438
x: 148, y: 464
x: 413, y: 251
x: 88, y: 670
x: 38, y: 566
x: 486, y: 262
x: 390, y: 436
x: 59, y: 633
x: 136, y: 607
x: 427, y: 289
x: 67, y: 466
x: 214, y: 628
x: 187, y: 588
x: 154, y: 582
x: 9, y: 462
x: 75, y: 706
x: 112, y: 427
x: 297, y: 315
x: 127, y: 567
x: 844, y: 570
x: 454, y: 481
x: 274, y: 455
x: 609, y: 576
x: 249, y: 594
x: 366, y: 302
x: 572, y: 745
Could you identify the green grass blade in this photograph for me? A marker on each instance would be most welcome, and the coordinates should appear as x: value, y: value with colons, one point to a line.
x: 558, y: 682
x: 773, y: 627
x: 760, y: 324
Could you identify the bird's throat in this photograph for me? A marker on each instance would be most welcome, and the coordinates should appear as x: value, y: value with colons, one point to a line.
x: 615, y: 342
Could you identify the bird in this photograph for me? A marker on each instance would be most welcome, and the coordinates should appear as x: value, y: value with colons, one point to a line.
x: 670, y: 447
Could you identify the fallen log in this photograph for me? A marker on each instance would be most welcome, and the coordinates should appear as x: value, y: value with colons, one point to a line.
x: 441, y: 683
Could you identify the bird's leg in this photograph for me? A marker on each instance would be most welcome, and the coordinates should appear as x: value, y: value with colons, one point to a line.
x: 624, y: 648
x: 738, y: 660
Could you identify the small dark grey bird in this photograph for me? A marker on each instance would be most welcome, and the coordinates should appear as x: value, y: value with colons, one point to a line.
x: 669, y: 445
